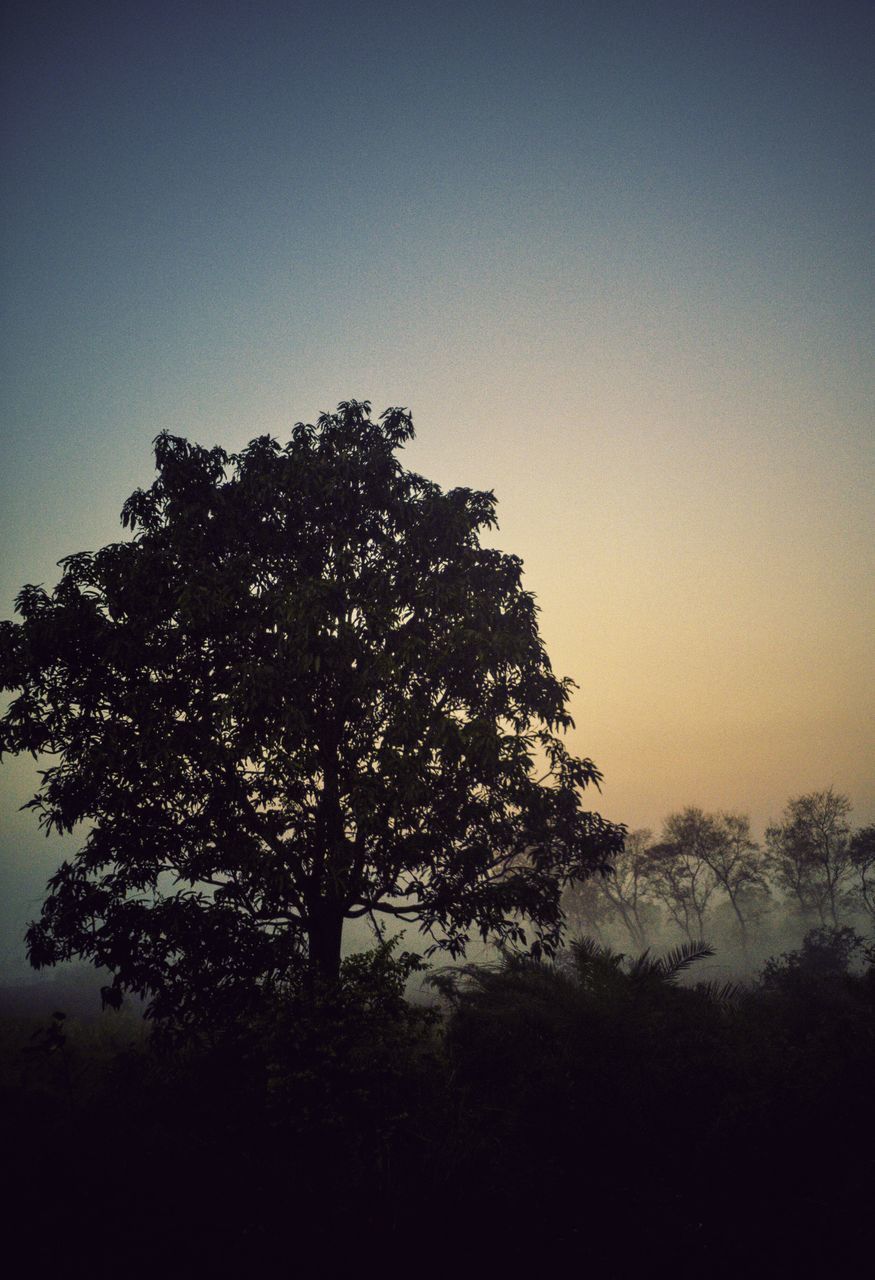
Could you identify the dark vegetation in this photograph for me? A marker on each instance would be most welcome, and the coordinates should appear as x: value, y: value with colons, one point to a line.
x: 613, y: 1109
x: 305, y: 693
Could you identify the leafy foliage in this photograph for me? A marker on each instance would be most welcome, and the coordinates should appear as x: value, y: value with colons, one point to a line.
x: 824, y: 957
x: 535, y: 1111
x: 302, y: 693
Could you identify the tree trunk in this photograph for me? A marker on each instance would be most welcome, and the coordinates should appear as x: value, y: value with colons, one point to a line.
x: 640, y: 932
x: 741, y: 924
x: 324, y: 937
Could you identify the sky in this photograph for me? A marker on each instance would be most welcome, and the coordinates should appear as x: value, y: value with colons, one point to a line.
x: 616, y: 259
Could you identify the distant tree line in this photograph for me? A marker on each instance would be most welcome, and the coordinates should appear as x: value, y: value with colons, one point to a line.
x: 812, y: 863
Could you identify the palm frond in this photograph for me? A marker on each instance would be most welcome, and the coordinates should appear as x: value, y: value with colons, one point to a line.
x: 588, y: 951
x: 645, y: 965
x: 719, y: 992
x: 681, y: 957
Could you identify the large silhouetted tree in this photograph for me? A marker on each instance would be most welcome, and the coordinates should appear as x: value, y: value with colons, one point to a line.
x: 303, y: 692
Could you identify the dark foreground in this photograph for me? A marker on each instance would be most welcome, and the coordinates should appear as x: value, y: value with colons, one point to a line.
x: 595, y: 1114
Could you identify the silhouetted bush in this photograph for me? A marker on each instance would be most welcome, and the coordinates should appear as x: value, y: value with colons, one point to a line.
x: 610, y: 1105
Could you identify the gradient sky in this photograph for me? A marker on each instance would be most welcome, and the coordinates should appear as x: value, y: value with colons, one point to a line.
x: 614, y: 256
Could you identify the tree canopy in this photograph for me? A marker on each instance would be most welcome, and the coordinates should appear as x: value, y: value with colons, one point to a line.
x: 810, y: 855
x: 300, y: 693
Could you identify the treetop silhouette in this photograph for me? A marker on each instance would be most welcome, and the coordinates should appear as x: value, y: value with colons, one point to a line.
x: 302, y: 693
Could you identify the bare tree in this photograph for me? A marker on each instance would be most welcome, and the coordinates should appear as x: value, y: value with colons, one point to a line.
x: 586, y: 906
x: 862, y: 855
x: 680, y: 873
x: 621, y: 893
x: 809, y: 853
x: 628, y: 886
x: 734, y: 858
